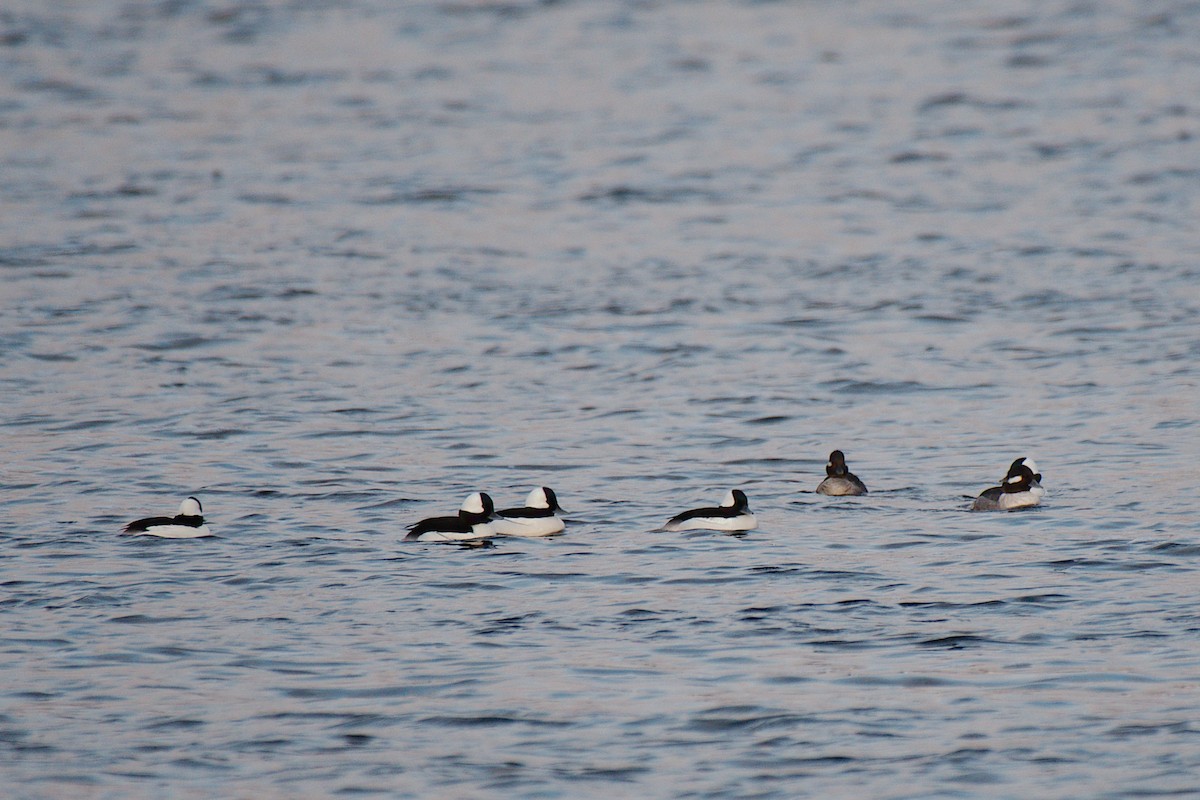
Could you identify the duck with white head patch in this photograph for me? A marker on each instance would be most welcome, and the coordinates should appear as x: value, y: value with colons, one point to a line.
x: 538, y: 517
x: 473, y: 522
x: 1037, y: 476
x: 187, y: 524
x: 1021, y: 488
x: 839, y: 480
x: 732, y: 515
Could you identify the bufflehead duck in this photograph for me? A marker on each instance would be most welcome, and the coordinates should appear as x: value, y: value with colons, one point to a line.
x: 1021, y: 488
x: 1037, y: 476
x: 187, y: 524
x: 839, y: 480
x: 732, y: 515
x: 473, y: 522
x: 538, y: 517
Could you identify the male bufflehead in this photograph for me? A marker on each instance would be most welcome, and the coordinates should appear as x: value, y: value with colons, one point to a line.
x: 473, y: 522
x: 187, y: 524
x: 1037, y: 476
x: 1021, y: 488
x: 839, y: 480
x: 538, y: 517
x: 732, y: 515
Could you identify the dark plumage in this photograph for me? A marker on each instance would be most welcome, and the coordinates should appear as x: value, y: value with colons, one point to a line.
x: 548, y: 497
x: 471, y: 522
x: 839, y: 481
x: 188, y: 523
x: 1021, y: 488
x: 538, y: 517
x: 732, y: 515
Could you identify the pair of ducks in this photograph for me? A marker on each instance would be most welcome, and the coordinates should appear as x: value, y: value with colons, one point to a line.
x: 734, y: 512
x: 477, y: 518
x: 1020, y: 488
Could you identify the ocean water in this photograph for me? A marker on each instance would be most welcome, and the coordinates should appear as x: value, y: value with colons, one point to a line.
x: 331, y: 267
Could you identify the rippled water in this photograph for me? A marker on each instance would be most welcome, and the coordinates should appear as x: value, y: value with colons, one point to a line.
x: 333, y: 266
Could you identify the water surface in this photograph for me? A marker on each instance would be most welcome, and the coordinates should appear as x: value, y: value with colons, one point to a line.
x: 332, y: 267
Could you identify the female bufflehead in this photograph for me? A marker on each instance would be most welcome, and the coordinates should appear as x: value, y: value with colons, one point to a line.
x: 732, y: 515
x: 538, y: 517
x: 839, y: 480
x: 187, y: 524
x: 473, y: 522
x: 1021, y: 488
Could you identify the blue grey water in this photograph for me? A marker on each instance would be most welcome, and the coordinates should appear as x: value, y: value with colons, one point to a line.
x: 332, y: 266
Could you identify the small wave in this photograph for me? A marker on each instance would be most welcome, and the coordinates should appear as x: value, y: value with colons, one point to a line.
x: 492, y: 720
x: 624, y: 195
x: 181, y: 342
x: 959, y: 641
x: 744, y: 718
x: 843, y: 386
x: 430, y: 195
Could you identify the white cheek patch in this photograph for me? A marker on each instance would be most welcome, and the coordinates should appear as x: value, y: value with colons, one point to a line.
x: 473, y: 504
x: 728, y: 501
x: 537, y: 499
x: 1014, y: 479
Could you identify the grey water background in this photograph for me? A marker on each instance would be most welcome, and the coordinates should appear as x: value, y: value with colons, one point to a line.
x: 333, y: 266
